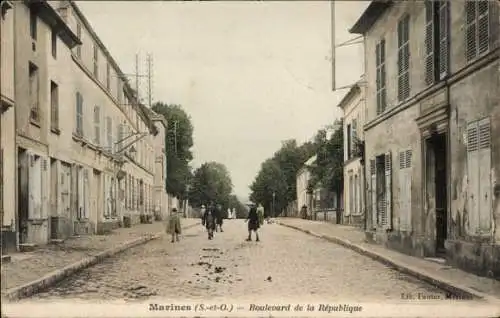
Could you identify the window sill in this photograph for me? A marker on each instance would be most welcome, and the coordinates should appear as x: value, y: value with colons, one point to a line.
x: 55, y: 130
x: 35, y: 122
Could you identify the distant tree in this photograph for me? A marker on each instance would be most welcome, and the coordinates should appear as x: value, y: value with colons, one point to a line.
x: 328, y: 169
x: 211, y: 182
x: 178, y: 143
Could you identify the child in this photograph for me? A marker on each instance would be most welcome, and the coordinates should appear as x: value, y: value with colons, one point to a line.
x: 174, y: 225
x: 209, y: 221
x: 253, y: 223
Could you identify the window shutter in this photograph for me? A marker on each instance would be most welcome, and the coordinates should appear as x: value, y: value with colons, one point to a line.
x: 429, y: 42
x: 408, y: 184
x: 31, y: 186
x: 473, y: 176
x: 485, y: 200
x: 444, y: 27
x: 483, y: 37
x: 402, y: 193
x: 470, y: 30
x: 373, y: 173
x: 387, y: 223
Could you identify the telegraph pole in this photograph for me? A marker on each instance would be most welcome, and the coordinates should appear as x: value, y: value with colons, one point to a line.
x: 137, y: 77
x: 150, y: 62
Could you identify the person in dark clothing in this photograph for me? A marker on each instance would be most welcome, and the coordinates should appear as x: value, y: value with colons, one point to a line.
x: 218, y: 218
x: 209, y: 221
x: 253, y: 223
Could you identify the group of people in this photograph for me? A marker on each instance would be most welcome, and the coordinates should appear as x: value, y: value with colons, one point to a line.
x: 212, y: 219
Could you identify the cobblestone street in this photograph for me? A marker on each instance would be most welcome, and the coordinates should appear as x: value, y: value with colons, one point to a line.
x: 286, y: 262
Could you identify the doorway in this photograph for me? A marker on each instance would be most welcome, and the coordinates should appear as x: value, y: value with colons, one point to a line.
x: 23, y: 195
x: 437, y: 146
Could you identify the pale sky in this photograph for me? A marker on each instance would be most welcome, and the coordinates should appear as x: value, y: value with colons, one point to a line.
x: 250, y: 74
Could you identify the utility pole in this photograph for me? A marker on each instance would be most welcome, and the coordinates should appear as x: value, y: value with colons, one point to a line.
x: 137, y: 77
x: 332, y: 7
x: 150, y: 97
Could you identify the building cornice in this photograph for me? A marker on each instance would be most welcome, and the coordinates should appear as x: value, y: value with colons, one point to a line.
x: 53, y: 19
x: 372, y: 13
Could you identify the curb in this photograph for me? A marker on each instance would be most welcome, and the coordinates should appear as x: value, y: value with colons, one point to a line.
x: 451, y: 287
x: 31, y: 288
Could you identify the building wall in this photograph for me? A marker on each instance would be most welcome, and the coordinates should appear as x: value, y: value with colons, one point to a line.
x: 302, y: 181
x: 70, y: 176
x: 7, y: 132
x: 470, y: 93
x: 354, y: 116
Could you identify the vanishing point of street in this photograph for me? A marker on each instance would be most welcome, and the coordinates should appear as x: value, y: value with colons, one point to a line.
x: 285, y: 262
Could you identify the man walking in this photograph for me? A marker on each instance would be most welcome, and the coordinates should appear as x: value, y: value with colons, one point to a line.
x: 174, y: 225
x: 253, y: 223
x: 208, y: 220
x: 219, y: 218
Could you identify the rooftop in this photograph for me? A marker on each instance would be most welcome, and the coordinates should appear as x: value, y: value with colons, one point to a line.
x: 370, y: 16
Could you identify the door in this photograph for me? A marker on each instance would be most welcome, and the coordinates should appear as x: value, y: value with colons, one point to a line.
x: 441, y: 186
x: 23, y: 195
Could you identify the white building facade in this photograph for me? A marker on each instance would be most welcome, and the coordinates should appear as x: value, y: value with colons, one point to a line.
x: 353, y: 107
x: 85, y: 146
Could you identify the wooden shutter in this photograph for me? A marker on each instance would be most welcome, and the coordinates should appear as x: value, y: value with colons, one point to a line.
x: 44, y: 188
x: 387, y: 223
x: 31, y: 185
x: 485, y: 196
x: 470, y: 30
x: 444, y: 33
x: 402, y: 192
x: 373, y: 173
x: 473, y: 176
x: 429, y: 42
x: 483, y: 26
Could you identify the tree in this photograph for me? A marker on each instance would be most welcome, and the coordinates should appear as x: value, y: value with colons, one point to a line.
x: 178, y: 143
x: 328, y: 170
x: 270, y: 179
x: 211, y: 183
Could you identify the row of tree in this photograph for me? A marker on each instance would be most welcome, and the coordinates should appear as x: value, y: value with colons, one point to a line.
x: 211, y: 182
x: 275, y: 184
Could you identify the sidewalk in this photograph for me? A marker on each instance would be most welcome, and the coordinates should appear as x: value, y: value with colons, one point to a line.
x: 28, y: 267
x: 443, y: 276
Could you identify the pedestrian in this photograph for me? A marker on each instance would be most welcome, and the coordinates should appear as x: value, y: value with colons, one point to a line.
x: 202, y: 211
x: 219, y: 218
x: 174, y: 225
x: 233, y: 213
x: 260, y: 213
x: 304, y: 213
x: 208, y: 221
x: 253, y: 223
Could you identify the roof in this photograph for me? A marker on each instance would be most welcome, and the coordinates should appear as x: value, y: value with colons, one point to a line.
x: 140, y: 108
x: 355, y: 89
x: 372, y: 13
x: 47, y: 13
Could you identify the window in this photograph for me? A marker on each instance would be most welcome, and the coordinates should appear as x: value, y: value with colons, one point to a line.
x: 97, y: 125
x: 381, y: 191
x: 96, y: 62
x: 479, y: 176
x: 79, y: 35
x: 34, y: 93
x: 33, y: 24
x: 405, y: 180
x: 108, y: 77
x: 355, y: 194
x: 354, y: 138
x: 381, y: 77
x: 477, y: 32
x: 436, y: 40
x: 109, y: 133
x: 404, y: 58
x: 54, y: 43
x: 79, y: 114
x: 54, y: 106
x: 351, y: 195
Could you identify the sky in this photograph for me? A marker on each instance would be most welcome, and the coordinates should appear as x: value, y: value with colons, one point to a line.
x: 249, y: 74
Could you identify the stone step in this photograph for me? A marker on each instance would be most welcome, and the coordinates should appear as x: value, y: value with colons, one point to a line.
x: 56, y: 241
x: 5, y: 258
x: 27, y: 247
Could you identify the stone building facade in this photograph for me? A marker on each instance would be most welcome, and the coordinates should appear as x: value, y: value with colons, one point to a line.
x: 85, y: 146
x: 353, y: 107
x: 432, y: 114
x: 7, y: 128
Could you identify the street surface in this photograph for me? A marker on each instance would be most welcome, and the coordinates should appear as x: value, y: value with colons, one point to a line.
x: 285, y: 265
